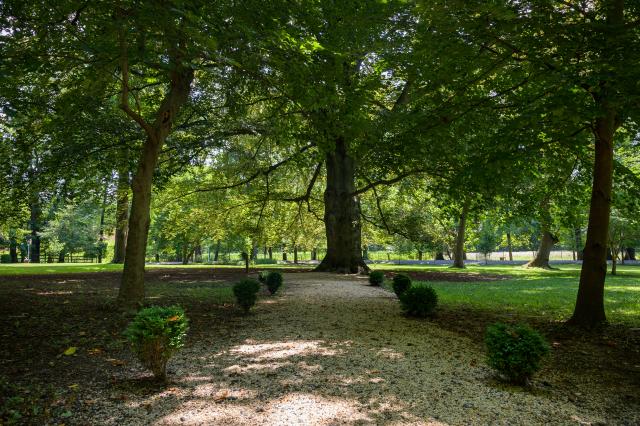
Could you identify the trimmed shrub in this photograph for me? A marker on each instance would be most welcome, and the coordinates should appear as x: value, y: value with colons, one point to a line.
x: 401, y: 283
x: 262, y: 276
x: 246, y: 293
x: 515, y: 351
x: 155, y: 334
x: 274, y: 282
x: 5, y: 258
x: 376, y: 278
x: 419, y: 301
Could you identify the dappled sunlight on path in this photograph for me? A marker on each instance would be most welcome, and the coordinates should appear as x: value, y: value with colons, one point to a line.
x: 331, y: 350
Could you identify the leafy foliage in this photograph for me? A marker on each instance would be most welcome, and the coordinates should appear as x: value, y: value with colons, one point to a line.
x: 515, y: 351
x: 376, y: 278
x: 274, y: 281
x: 401, y: 283
x: 419, y: 301
x: 155, y: 334
x: 246, y: 293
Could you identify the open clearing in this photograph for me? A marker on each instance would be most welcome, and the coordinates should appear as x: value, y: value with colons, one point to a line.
x: 328, y: 350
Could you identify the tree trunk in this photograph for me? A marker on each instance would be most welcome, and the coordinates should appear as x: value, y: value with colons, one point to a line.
x: 314, y: 254
x: 510, y: 246
x: 185, y: 255
x: 541, y: 260
x: 342, y: 215
x: 34, y: 224
x: 216, y: 254
x: 270, y: 253
x: 131, y: 292
x: 458, y: 254
x: 101, y: 243
x: 122, y: 217
x: 439, y: 255
x: 13, y: 250
x: 295, y: 253
x: 630, y: 253
x: 420, y: 255
x: 578, y: 242
x: 589, y: 309
x: 614, y: 264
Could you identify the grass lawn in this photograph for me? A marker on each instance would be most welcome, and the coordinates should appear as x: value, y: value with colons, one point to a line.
x: 528, y: 292
x: 65, y: 268
x: 536, y: 292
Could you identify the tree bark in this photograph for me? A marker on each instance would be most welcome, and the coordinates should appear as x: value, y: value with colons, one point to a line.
x: 34, y: 225
x: 458, y: 254
x: 342, y: 215
x: 295, y: 253
x: 101, y: 245
x: 578, y: 241
x: 122, y: 216
x: 439, y: 255
x: 630, y: 253
x: 270, y: 253
x: 217, y: 252
x: 510, y: 246
x: 131, y: 292
x: 541, y: 260
x: 13, y: 250
x: 132, y: 287
x: 589, y: 309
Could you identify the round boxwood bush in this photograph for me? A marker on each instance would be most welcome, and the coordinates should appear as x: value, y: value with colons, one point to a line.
x: 262, y: 276
x: 376, y: 278
x: 274, y: 282
x: 419, y: 301
x: 401, y: 283
x: 246, y: 293
x: 515, y: 351
x: 155, y: 334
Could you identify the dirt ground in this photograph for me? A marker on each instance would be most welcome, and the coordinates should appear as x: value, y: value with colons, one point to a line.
x: 328, y: 350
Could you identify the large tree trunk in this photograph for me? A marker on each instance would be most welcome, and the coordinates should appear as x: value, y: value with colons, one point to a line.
x: 132, y: 288
x: 131, y: 292
x: 458, y: 254
x: 544, y: 250
x: 589, y: 309
x: 122, y: 216
x: 342, y: 215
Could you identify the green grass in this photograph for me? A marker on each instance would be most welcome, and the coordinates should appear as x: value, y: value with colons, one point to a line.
x: 537, y: 292
x: 65, y: 268
x: 533, y: 292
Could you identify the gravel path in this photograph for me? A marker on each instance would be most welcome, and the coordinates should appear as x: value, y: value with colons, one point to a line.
x: 333, y: 350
